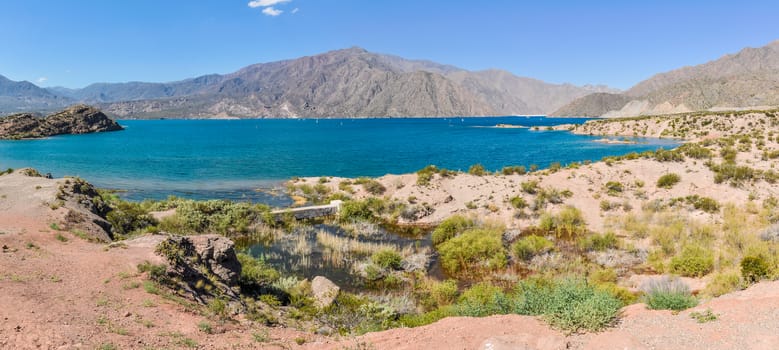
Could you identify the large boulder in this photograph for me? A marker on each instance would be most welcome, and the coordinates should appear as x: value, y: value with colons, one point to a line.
x: 325, y: 291
x: 218, y: 254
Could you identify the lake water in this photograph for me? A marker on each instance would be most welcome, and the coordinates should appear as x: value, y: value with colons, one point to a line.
x: 232, y: 158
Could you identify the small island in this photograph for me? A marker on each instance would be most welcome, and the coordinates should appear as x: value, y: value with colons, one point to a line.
x: 78, y: 119
x: 615, y: 142
x: 510, y: 126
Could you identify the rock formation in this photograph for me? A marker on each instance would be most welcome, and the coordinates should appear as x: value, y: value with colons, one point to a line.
x: 78, y: 119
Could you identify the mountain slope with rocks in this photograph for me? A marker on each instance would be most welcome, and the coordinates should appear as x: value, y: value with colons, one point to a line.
x: 343, y: 83
x: 749, y: 78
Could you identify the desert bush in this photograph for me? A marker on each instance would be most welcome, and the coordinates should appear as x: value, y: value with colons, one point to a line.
x: 662, y: 155
x: 434, y: 294
x: 519, y: 170
x: 450, y: 228
x: 723, y: 283
x: 706, y: 204
x: 693, y: 261
x: 668, y: 181
x: 128, y: 217
x: 613, y: 188
x: 387, y: 258
x: 728, y: 154
x: 474, y: 249
x: 754, y: 268
x: 569, y: 222
x: 695, y: 150
x: 374, y: 187
x: 668, y: 293
x: 518, y: 202
x: 218, y: 216
x: 527, y: 247
x: 477, y: 169
x: 529, y: 187
x: 598, y: 242
x: 569, y: 304
x: 483, y: 299
x: 255, y: 271
x: 356, y: 210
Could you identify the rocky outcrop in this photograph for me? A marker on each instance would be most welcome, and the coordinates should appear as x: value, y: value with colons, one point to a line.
x: 78, y: 119
x: 205, y: 267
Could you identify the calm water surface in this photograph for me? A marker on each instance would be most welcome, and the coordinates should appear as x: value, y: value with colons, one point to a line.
x: 232, y: 158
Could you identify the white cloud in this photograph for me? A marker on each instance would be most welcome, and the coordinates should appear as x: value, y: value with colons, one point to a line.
x: 42, y: 79
x: 271, y: 11
x: 266, y: 3
x: 295, y: 11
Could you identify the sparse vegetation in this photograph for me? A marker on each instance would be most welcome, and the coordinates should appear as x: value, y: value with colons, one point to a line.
x: 668, y: 181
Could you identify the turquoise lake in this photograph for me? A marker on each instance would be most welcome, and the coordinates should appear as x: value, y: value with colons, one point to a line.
x: 232, y: 158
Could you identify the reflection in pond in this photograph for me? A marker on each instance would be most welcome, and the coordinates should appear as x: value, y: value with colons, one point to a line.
x: 342, y: 254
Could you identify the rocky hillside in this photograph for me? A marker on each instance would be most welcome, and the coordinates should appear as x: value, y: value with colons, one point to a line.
x: 78, y: 119
x: 343, y: 83
x: 749, y: 78
x: 24, y: 95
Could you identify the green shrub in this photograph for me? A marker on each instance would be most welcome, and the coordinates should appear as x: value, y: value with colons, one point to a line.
x: 614, y: 188
x: 528, y: 247
x: 519, y: 170
x: 450, y: 228
x: 571, y: 305
x: 387, y: 258
x: 598, y: 242
x: 518, y: 202
x: 668, y: 181
x: 704, y: 316
x: 569, y: 222
x: 374, y: 187
x: 723, y: 283
x: 128, y: 217
x: 695, y: 150
x: 529, y: 187
x: 475, y: 249
x: 356, y: 210
x: 477, y: 169
x: 693, y: 261
x: 483, y: 299
x: 754, y: 268
x: 444, y: 293
x: 425, y: 174
x: 218, y: 216
x: 255, y: 271
x: 706, y: 204
x: 668, y: 294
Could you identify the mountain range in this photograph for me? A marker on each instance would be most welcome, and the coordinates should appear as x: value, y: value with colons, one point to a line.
x: 749, y: 78
x: 357, y: 83
x: 344, y: 83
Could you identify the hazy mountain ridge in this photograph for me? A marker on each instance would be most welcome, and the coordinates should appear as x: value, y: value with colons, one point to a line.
x: 343, y: 83
x: 749, y: 78
x: 24, y: 95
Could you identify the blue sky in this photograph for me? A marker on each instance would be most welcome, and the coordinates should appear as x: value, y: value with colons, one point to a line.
x: 619, y: 43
